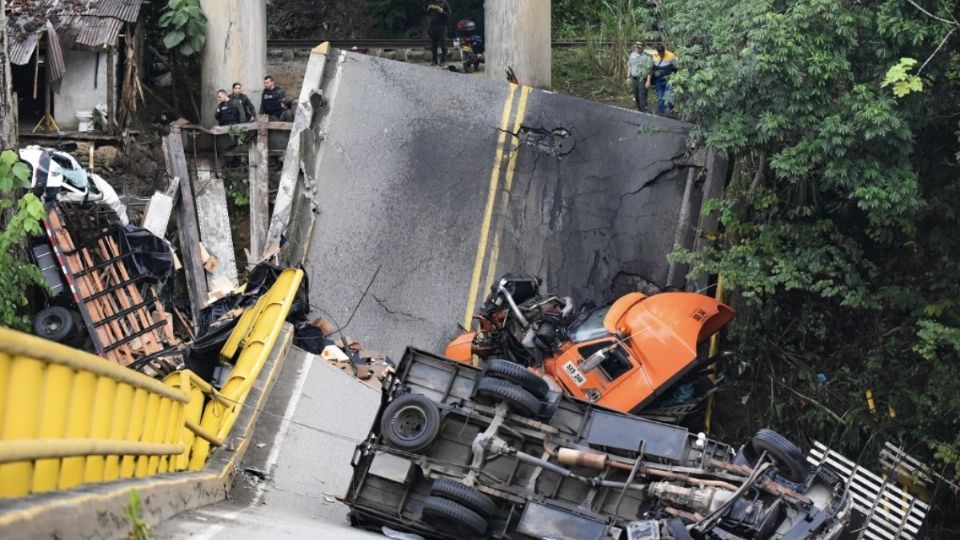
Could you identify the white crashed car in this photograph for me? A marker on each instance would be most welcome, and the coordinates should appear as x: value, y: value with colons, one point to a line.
x: 58, y: 176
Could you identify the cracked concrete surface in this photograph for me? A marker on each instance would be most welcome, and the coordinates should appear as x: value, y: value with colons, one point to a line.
x: 402, y: 182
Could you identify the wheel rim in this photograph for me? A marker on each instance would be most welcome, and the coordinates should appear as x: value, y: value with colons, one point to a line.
x: 410, y: 423
x: 51, y: 324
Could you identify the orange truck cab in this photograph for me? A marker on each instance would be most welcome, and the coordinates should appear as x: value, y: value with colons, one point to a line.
x: 627, y: 354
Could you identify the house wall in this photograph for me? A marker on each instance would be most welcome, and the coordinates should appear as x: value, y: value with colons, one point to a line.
x: 78, y: 90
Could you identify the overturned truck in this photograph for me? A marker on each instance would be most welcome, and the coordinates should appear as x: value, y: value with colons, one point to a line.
x: 464, y: 452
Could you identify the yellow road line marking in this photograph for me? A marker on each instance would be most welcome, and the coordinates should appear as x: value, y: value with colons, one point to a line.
x: 508, y: 185
x: 488, y: 212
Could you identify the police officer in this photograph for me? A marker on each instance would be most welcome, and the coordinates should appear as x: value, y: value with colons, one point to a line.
x: 272, y: 101
x: 229, y: 112
x: 249, y: 112
x: 439, y: 14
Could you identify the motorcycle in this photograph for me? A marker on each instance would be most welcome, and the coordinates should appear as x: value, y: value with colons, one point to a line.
x: 470, y: 43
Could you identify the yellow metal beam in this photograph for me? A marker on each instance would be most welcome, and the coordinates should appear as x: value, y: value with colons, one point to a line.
x: 19, y: 344
x: 204, y: 434
x: 32, y: 449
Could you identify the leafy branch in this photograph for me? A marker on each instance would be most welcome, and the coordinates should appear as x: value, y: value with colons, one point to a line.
x: 16, y: 277
x: 185, y: 25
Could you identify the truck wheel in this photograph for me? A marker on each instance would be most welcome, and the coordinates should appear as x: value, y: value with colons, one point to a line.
x: 465, y: 495
x: 677, y: 529
x: 410, y: 422
x: 55, y: 323
x: 517, y: 398
x: 447, y: 516
x: 785, y: 454
x: 515, y: 373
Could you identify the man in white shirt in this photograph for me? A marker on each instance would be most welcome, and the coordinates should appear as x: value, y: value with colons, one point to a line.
x: 638, y: 67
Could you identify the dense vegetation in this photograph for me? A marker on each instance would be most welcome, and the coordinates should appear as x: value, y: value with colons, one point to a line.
x: 840, y: 227
x: 840, y: 238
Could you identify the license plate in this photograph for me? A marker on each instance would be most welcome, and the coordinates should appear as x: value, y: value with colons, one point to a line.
x: 574, y: 373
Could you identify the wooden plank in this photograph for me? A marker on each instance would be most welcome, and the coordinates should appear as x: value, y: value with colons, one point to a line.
x: 72, y: 265
x: 88, y: 285
x: 259, y: 191
x: 110, y: 249
x: 214, y: 222
x: 122, y: 298
x: 187, y: 224
x: 246, y: 126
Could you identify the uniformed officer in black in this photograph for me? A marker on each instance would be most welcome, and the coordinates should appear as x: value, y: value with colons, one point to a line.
x: 249, y: 112
x: 229, y: 111
x: 272, y: 101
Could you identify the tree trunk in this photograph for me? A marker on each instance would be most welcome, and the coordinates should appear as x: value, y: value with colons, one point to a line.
x: 8, y: 105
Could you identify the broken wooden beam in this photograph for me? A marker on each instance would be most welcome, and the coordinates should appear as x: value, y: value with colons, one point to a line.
x: 259, y: 191
x: 189, y: 232
x: 214, y: 220
x: 246, y: 126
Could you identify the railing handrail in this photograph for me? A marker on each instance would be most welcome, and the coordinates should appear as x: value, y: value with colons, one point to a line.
x: 19, y: 344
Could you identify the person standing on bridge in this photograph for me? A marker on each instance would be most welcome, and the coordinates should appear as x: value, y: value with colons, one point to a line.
x: 664, y: 64
x: 249, y: 113
x: 439, y: 14
x: 638, y: 67
x: 272, y: 101
x: 229, y: 112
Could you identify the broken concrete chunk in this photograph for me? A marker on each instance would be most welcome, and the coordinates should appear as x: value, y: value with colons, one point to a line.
x: 156, y: 217
x: 332, y: 353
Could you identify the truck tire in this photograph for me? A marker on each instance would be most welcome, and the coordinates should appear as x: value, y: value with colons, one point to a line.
x: 410, y: 422
x: 787, y: 457
x: 448, y: 515
x: 55, y: 323
x: 465, y: 495
x: 515, y: 373
x: 677, y: 529
x: 519, y: 400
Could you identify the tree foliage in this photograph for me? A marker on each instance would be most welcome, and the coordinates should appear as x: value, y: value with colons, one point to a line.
x: 185, y: 26
x: 16, y: 277
x: 840, y: 225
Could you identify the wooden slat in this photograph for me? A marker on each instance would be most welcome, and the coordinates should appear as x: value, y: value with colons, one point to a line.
x: 114, y: 250
x: 128, y: 297
x: 87, y: 286
x: 259, y: 191
x: 108, y: 306
x: 187, y: 225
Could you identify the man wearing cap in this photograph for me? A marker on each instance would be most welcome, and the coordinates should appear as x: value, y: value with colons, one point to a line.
x: 638, y: 66
x: 664, y: 64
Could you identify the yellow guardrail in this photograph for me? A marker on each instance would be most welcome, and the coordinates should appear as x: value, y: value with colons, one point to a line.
x: 69, y: 418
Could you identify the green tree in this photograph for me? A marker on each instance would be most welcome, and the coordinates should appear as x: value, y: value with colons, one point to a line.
x: 185, y: 26
x: 16, y: 277
x: 840, y: 227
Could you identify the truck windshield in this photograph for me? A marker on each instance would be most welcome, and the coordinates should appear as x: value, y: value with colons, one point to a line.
x: 591, y: 328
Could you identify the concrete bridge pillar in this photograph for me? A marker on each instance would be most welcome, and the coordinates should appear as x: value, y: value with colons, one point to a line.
x: 236, y: 51
x: 518, y: 37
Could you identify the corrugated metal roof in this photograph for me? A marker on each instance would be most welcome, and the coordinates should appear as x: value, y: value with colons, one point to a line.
x: 125, y: 10
x: 98, y: 27
x: 22, y: 51
x: 55, y: 61
x: 24, y: 31
x: 98, y: 32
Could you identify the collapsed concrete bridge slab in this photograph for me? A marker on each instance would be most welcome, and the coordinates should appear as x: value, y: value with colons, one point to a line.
x: 423, y: 185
